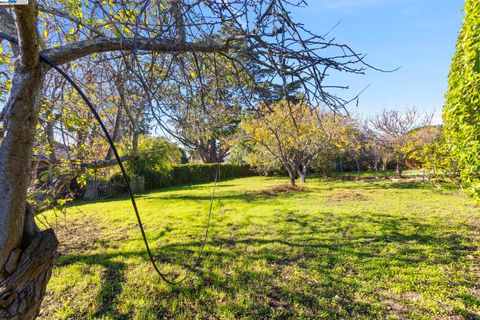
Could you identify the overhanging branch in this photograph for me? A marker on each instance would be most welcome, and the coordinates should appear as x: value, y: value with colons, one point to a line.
x: 105, y: 163
x: 70, y: 52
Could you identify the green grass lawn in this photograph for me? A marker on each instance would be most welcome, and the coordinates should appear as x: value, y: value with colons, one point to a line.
x: 340, y: 250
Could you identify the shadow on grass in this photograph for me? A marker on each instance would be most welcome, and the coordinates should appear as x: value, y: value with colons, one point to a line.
x: 111, y: 281
x: 402, y: 185
x: 330, y: 253
x: 246, y: 196
x: 159, y: 194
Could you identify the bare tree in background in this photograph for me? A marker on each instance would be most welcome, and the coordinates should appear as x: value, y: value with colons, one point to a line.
x: 398, y: 135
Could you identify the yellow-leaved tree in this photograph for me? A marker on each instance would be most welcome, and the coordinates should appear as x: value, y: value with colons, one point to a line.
x: 291, y: 133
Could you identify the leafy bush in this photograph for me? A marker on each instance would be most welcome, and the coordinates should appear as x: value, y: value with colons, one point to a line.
x: 154, y: 161
x: 439, y: 163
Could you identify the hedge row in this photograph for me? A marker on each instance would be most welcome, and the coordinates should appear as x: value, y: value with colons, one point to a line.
x: 185, y: 174
x: 203, y: 173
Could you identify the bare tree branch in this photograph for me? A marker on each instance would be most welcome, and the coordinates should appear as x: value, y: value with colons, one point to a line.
x: 73, y: 51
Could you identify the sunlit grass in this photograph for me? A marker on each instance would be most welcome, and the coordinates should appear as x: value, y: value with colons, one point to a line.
x: 344, y: 249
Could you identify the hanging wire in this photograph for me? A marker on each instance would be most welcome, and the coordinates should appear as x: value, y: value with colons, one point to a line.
x: 163, y: 276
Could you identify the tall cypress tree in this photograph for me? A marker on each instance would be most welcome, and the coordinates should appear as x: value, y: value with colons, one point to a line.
x: 461, y: 113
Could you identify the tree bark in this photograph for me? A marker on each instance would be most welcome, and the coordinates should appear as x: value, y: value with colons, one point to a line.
x: 292, y: 180
x: 116, y: 132
x: 291, y: 174
x: 26, y: 255
x: 73, y: 51
x: 302, y: 173
x: 212, y: 151
x: 118, y: 119
x: 21, y: 117
x: 22, y: 291
x: 134, y: 120
x: 208, y: 151
x: 107, y: 163
x: 51, y: 146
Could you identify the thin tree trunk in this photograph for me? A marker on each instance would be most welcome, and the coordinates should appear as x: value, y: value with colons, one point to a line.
x: 116, y: 132
x: 135, y: 136
x: 51, y: 145
x: 291, y: 174
x: 133, y: 120
x: 302, y: 173
x: 118, y: 119
x: 292, y: 180
x: 398, y: 169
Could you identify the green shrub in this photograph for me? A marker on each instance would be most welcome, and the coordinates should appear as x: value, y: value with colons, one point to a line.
x: 154, y: 161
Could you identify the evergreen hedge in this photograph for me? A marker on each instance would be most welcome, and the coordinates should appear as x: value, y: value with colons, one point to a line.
x: 461, y: 113
x: 205, y: 172
x: 185, y: 174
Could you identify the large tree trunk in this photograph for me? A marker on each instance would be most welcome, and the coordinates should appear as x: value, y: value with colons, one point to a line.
x: 22, y: 290
x: 208, y: 151
x: 212, y: 151
x: 15, y: 157
x: 25, y: 254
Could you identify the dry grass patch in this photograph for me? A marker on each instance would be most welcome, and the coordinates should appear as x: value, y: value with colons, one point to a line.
x: 276, y: 190
x: 348, y: 195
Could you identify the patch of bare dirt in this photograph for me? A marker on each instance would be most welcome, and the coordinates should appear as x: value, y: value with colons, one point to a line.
x: 275, y: 190
x: 348, y: 195
x: 81, y: 236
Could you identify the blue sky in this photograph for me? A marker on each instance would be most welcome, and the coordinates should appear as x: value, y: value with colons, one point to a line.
x: 419, y: 36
